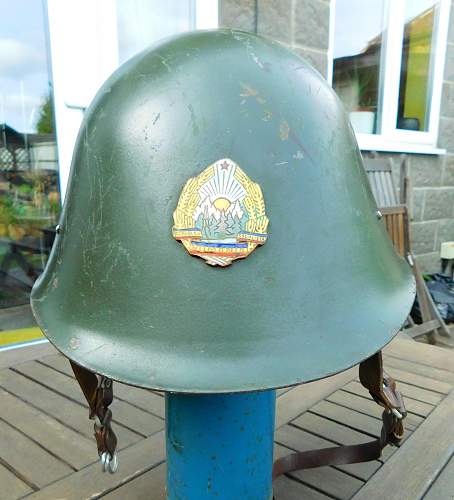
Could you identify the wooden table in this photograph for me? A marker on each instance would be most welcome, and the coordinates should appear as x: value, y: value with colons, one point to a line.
x: 47, y: 450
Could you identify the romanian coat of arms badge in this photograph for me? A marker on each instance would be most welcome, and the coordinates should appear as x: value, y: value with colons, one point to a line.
x: 220, y: 215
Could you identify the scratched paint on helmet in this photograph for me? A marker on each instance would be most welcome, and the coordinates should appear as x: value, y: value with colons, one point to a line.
x: 121, y: 297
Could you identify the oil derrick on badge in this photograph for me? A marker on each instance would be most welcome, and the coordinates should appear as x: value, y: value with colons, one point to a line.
x: 220, y: 215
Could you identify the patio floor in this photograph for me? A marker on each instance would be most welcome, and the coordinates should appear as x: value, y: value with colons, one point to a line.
x: 47, y: 450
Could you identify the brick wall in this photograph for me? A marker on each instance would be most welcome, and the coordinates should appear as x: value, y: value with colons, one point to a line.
x: 303, y: 25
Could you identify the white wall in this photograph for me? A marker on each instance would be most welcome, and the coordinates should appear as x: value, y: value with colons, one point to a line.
x: 84, y: 52
x: 84, y: 49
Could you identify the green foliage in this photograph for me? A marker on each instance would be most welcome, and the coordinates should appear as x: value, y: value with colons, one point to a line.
x: 45, y: 123
x: 54, y: 206
x: 8, y: 213
x: 25, y: 189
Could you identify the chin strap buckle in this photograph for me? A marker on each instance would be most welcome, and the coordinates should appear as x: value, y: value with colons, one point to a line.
x: 384, y: 391
x: 395, y: 407
x: 104, y: 434
x: 109, y: 463
x: 98, y: 391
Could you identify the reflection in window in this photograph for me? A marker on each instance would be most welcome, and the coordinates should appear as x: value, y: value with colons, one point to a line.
x: 29, y: 187
x: 386, y: 68
x: 417, y: 56
x: 142, y: 22
x: 356, y: 65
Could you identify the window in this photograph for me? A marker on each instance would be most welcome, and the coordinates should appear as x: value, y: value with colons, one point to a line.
x: 388, y: 58
x: 140, y: 23
x: 87, y: 41
x: 113, y: 31
x: 29, y: 183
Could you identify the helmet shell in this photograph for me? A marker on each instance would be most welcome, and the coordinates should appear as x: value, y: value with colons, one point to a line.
x: 123, y: 298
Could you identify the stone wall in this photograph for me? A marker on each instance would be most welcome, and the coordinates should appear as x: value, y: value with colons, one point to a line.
x: 303, y: 25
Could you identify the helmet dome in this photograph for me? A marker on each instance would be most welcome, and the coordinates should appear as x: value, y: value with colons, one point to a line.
x: 237, y: 141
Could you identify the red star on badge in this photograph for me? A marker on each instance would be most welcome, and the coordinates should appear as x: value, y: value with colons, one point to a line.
x: 224, y: 165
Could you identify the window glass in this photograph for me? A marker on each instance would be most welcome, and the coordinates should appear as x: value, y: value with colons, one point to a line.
x: 417, y: 59
x: 358, y: 41
x: 142, y: 22
x: 29, y: 185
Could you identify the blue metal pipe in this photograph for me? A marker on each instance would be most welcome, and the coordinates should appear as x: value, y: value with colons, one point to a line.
x: 220, y: 446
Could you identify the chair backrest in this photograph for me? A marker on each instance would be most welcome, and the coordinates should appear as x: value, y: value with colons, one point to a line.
x: 379, y: 172
x: 395, y: 219
x: 395, y: 215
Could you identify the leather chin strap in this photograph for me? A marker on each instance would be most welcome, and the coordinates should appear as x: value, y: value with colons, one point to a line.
x: 98, y: 392
x: 383, y: 390
x: 99, y: 395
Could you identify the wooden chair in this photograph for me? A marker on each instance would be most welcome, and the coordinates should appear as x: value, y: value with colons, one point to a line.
x: 393, y: 207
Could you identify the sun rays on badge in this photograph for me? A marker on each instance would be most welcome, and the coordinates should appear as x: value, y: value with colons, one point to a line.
x: 220, y: 215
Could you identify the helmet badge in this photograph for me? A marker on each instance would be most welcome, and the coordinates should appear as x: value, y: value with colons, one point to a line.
x: 220, y: 215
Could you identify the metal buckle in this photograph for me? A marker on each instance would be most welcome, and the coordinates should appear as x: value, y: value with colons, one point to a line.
x: 103, y: 431
x: 393, y: 399
x: 109, y: 463
x: 397, y: 413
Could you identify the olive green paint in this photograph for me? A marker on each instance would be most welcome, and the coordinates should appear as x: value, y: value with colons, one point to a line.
x: 121, y: 297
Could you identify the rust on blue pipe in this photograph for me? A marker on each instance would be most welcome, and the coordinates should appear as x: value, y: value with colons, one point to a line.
x: 220, y: 446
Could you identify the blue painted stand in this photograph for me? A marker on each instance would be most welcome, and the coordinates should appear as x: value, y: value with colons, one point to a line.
x: 220, y: 446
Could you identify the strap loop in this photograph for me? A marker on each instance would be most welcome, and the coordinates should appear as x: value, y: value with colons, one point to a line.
x: 384, y: 391
x: 99, y: 395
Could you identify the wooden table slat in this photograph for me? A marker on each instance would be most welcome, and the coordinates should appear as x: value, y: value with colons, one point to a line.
x: 64, y: 410
x: 407, y: 474
x: 57, y: 362
x: 418, y: 408
x: 407, y: 390
x: 123, y: 413
x: 443, y: 488
x: 338, y: 433
x: 333, y: 431
x: 300, y: 398
x: 42, y: 408
x: 424, y: 354
x: 13, y: 357
x: 143, y: 399
x: 91, y: 482
x: 289, y: 489
x: 420, y: 381
x: 11, y: 486
x: 369, y: 407
x: 29, y: 459
x: 63, y: 442
x: 422, y: 370
x: 328, y: 480
x: 150, y: 485
x: 348, y: 417
x: 146, y: 400
x: 300, y: 440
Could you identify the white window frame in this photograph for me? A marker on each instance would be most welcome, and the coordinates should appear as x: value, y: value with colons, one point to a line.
x: 84, y: 52
x: 390, y: 138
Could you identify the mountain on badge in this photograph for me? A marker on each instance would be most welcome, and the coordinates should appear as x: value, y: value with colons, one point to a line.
x: 220, y: 215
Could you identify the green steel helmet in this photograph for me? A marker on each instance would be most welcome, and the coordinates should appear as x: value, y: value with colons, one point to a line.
x: 219, y: 233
